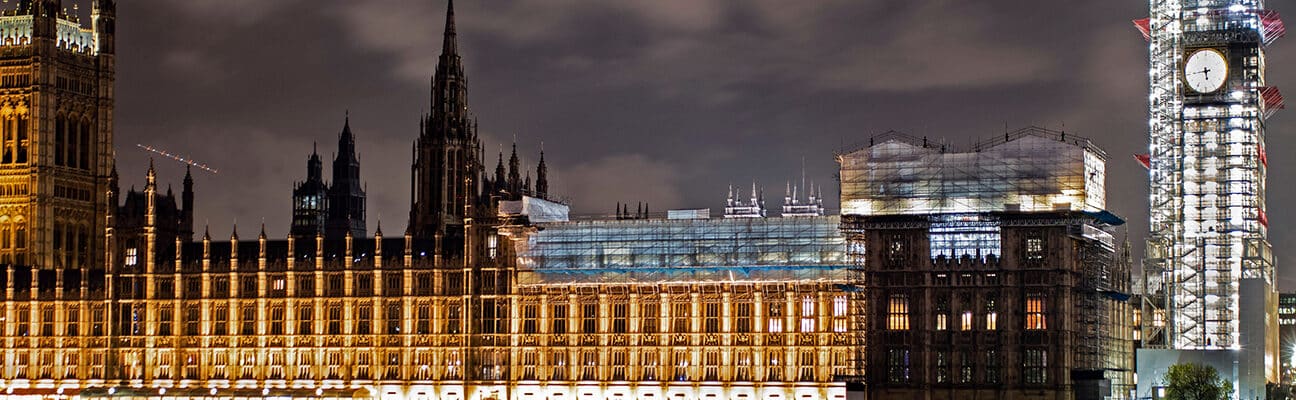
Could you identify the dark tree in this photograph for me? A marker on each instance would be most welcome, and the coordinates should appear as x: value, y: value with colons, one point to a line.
x: 1189, y: 381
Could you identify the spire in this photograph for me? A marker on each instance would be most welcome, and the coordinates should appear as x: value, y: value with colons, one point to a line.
x: 262, y: 236
x: 346, y: 141
x: 514, y: 175
x: 152, y: 175
x: 542, y: 177
x: 449, y: 97
x: 449, y: 44
x: 206, y: 232
x: 500, y: 183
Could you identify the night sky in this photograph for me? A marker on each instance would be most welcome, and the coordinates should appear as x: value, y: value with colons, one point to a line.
x: 664, y: 101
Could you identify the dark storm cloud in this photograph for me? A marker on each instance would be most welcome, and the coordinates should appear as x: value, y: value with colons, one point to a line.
x: 667, y: 101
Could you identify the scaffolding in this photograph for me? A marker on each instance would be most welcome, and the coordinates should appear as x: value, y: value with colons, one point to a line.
x: 1206, y: 171
x: 664, y: 251
x: 1031, y: 169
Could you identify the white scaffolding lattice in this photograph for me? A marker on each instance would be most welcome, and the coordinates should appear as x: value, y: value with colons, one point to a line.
x: 1031, y: 169
x: 1206, y: 172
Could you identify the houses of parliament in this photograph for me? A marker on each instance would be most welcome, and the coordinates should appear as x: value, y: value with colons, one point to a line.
x: 492, y: 292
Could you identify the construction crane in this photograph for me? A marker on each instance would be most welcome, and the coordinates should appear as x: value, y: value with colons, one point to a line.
x: 180, y: 159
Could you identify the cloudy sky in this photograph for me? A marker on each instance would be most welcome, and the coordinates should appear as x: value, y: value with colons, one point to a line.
x: 664, y: 101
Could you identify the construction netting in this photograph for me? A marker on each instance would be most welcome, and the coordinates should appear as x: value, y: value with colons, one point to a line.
x: 1032, y: 169
x: 702, y: 250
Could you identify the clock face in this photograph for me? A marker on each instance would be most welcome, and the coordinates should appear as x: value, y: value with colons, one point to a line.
x: 1206, y: 70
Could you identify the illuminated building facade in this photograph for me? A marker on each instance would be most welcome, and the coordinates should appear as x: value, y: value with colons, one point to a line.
x: 987, y: 273
x: 1209, y: 267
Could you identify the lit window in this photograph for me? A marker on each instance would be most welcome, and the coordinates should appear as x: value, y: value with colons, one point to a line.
x: 1035, y: 318
x: 898, y: 313
x: 992, y: 312
x: 775, y: 318
x: 839, y: 314
x: 1034, y: 248
x: 807, y: 314
x: 958, y: 236
x: 966, y: 322
x: 132, y: 257
x: 942, y: 313
x: 492, y: 243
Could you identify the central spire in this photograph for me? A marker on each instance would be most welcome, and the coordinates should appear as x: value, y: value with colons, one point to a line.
x: 449, y: 91
x: 449, y: 45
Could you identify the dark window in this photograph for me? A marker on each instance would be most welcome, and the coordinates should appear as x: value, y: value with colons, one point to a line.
x: 220, y: 288
x: 306, y: 286
x: 363, y: 315
x: 394, y: 318
x: 305, y: 319
x: 364, y: 285
x: 1035, y: 366
x: 712, y: 323
x: 220, y: 320
x: 335, y: 319
x: 589, y: 320
x: 249, y: 287
x: 73, y: 321
x: 743, y: 317
x: 424, y: 319
x: 898, y: 365
x: 680, y: 316
x: 620, y: 312
x: 559, y: 319
x: 530, y: 312
x: 649, y: 317
x: 165, y: 317
x: 193, y: 321
x: 392, y: 284
x: 248, y: 320
x: 277, y: 320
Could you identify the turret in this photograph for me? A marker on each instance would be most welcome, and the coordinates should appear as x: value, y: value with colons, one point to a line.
x: 542, y: 178
x: 150, y: 219
x: 514, y: 175
x: 103, y: 15
x: 187, y: 204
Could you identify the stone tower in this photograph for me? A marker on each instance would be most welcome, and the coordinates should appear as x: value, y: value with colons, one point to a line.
x: 56, y: 134
x: 447, y: 162
x: 346, y: 195
x: 310, y: 200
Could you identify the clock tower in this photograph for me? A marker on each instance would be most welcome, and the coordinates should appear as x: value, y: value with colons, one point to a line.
x: 1209, y: 267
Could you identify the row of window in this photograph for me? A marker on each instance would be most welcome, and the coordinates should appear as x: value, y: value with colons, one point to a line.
x: 334, y: 284
x: 650, y: 316
x: 971, y: 240
x: 898, y: 314
x: 586, y: 364
x: 963, y: 367
x: 388, y: 317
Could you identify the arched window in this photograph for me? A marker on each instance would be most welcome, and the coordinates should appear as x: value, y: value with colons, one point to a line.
x: 22, y: 138
x: 60, y: 138
x: 73, y: 125
x: 9, y: 140
x: 85, y: 144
